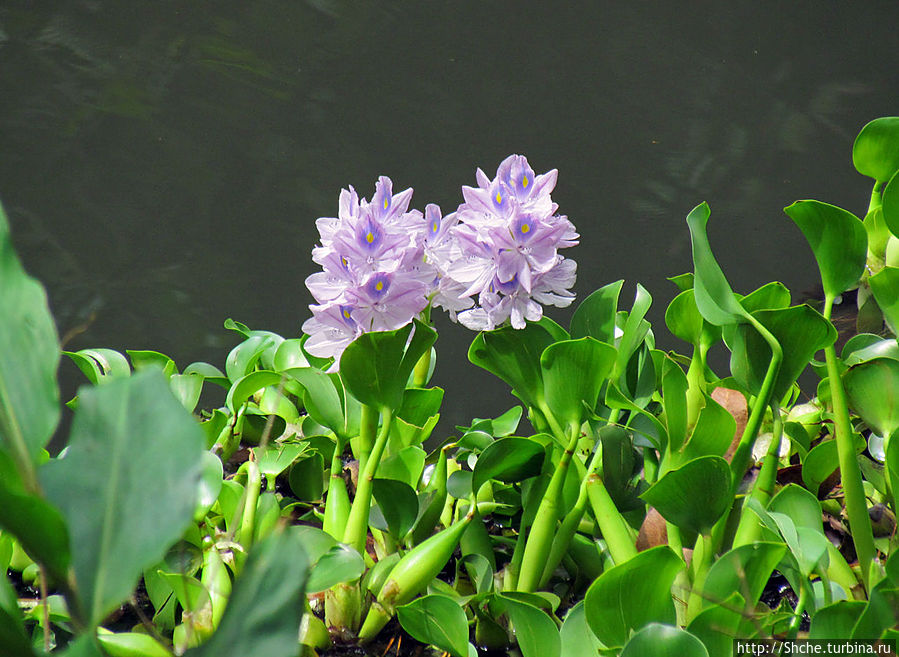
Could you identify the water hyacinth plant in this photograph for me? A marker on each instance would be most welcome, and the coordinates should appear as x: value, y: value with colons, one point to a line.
x: 633, y: 502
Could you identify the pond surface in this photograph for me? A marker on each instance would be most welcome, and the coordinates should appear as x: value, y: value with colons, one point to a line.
x: 163, y: 162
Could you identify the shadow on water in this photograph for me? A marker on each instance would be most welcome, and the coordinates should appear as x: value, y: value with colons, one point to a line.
x: 163, y: 163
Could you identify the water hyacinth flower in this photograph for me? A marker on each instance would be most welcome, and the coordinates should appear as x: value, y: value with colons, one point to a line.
x: 372, y: 277
x: 507, y: 240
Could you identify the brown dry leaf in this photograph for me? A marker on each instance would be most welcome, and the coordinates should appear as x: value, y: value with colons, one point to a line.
x: 734, y: 403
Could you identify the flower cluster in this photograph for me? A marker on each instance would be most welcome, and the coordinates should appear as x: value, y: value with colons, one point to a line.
x: 508, y: 237
x: 383, y: 264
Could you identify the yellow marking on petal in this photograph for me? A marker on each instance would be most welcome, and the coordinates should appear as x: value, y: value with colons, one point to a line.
x: 386, y: 202
x: 525, y: 228
x: 379, y: 286
x: 525, y: 181
x: 499, y: 197
x: 434, y: 227
x: 344, y: 262
x: 346, y: 313
x: 369, y: 237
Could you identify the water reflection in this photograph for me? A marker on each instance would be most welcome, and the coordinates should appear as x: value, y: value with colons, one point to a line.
x: 163, y: 162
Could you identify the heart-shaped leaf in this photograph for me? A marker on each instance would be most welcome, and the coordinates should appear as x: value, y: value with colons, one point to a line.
x: 875, y: 152
x: 437, y: 620
x: 509, y: 460
x: 872, y: 389
x: 573, y: 372
x: 595, y: 316
x: 657, y: 640
x: 838, y: 240
x: 694, y: 496
x: 632, y: 595
x: 375, y: 367
x: 514, y: 356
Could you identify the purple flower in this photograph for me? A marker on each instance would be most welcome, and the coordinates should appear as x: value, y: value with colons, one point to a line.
x: 372, y: 276
x: 507, y: 238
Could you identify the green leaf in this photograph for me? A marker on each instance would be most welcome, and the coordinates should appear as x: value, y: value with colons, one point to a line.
x: 595, y: 316
x: 97, y: 364
x: 437, y: 620
x: 246, y: 386
x: 683, y: 319
x: 398, y: 503
x: 890, y: 207
x: 131, y: 644
x: 376, y: 366
x: 836, y: 621
x: 634, y: 331
x: 769, y: 296
x: 574, y: 371
x: 617, y: 461
x: 695, y: 495
x: 406, y: 466
x: 210, y: 484
x: 657, y: 640
x: 872, y: 389
x: 144, y: 358
x: 714, y: 297
x: 277, y: 457
x: 631, y: 595
x: 885, y: 286
x: 713, y: 432
x: 875, y: 152
x: 801, y: 332
x: 29, y: 357
x: 321, y: 398
x: 819, y: 464
x: 340, y: 563
x: 243, y: 358
x: 514, y: 356
x: 674, y: 400
x: 266, y: 605
x: 535, y: 631
x: 745, y: 569
x: 838, y: 240
x: 131, y: 442
x: 718, y: 625
x: 800, y: 505
x: 508, y: 460
x: 577, y: 639
x: 37, y: 525
x: 306, y: 479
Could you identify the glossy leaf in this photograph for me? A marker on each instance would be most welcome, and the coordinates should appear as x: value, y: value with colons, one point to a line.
x: 838, y: 240
x: 437, y: 620
x: 694, y: 496
x: 306, y: 478
x: 340, y: 563
x: 800, y: 505
x: 890, y: 208
x: 718, y: 625
x: 821, y: 461
x: 321, y: 398
x: 405, y: 466
x: 713, y: 432
x: 683, y: 319
x: 573, y: 372
x: 247, y: 386
x: 266, y: 605
x: 535, y: 632
x: 872, y: 389
x: 631, y: 595
x: 210, y: 484
x: 97, y: 364
x: 769, y: 296
x: 375, y: 367
x: 131, y: 644
x: 714, y: 297
x: 514, y: 356
x: 835, y: 621
x: 131, y: 442
x: 243, y: 358
x: 595, y: 316
x: 29, y: 357
x: 277, y: 457
x: 577, y: 639
x: 745, y: 569
x: 657, y: 640
x: 398, y: 504
x: 885, y: 286
x: 801, y: 331
x: 634, y: 331
x: 674, y: 396
x: 508, y: 460
x: 875, y: 152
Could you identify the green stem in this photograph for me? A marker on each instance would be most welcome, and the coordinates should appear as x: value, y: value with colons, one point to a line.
x: 750, y: 527
x: 357, y: 523
x: 368, y: 429
x: 850, y: 473
x: 248, y: 521
x: 539, y: 540
x: 740, y: 461
x: 702, y: 561
x: 615, y: 530
x: 793, y: 630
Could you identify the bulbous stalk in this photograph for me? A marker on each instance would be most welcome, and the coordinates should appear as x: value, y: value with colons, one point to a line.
x: 337, y: 504
x: 615, y: 530
x: 412, y: 574
x: 539, y: 541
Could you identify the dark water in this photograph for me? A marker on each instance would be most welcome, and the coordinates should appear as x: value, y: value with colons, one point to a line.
x: 162, y: 163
